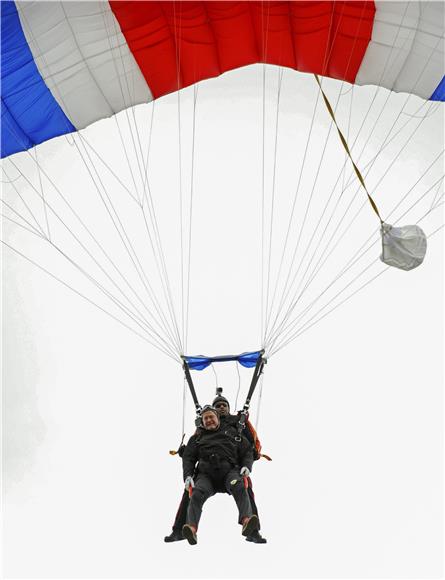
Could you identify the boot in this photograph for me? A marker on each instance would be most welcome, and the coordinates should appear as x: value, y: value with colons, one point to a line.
x: 189, y: 533
x: 175, y: 536
x: 256, y: 538
x: 250, y: 525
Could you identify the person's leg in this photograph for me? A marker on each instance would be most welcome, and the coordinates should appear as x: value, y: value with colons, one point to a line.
x: 234, y: 484
x: 201, y: 492
x: 180, y: 518
x: 252, y: 497
x: 255, y: 537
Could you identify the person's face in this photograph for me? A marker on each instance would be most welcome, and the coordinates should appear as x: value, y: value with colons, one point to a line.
x: 222, y: 407
x: 210, y: 420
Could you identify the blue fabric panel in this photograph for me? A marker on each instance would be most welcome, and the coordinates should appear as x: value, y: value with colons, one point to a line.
x: 27, y: 102
x: 246, y: 359
x: 439, y: 93
x: 249, y: 359
x: 13, y: 138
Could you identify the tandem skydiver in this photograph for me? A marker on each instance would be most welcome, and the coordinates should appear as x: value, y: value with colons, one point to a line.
x: 217, y: 458
x: 222, y: 405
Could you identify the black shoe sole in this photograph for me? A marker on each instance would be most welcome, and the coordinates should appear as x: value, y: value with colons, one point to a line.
x: 256, y: 540
x: 252, y: 526
x: 188, y: 534
x: 169, y: 539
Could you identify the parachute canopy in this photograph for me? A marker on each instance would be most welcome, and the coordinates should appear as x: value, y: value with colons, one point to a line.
x: 66, y: 65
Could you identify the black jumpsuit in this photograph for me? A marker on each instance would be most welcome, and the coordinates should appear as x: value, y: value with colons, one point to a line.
x: 216, y: 457
x: 181, y: 514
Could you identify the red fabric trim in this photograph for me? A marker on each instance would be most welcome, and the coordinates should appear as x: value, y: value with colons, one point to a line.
x: 179, y: 43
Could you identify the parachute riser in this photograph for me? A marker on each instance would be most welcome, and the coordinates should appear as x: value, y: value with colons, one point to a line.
x: 259, y: 367
x: 188, y: 378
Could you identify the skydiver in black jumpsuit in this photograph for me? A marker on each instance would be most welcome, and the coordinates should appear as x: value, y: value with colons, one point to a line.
x: 223, y: 407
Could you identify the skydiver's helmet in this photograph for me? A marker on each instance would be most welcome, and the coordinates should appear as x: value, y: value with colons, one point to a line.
x: 207, y: 408
x: 220, y: 399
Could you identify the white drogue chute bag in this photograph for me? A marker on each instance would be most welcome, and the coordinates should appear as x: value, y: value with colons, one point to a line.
x: 403, y: 247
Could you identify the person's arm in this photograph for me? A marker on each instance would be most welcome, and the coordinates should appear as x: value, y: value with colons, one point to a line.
x: 190, y: 457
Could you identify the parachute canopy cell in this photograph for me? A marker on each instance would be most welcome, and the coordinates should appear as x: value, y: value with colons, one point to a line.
x: 66, y: 65
x: 246, y: 359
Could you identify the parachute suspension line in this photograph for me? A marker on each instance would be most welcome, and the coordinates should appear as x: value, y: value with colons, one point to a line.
x: 177, y: 37
x: 31, y: 230
x: 307, y: 324
x: 66, y: 201
x: 45, y: 211
x: 119, y: 304
x: 153, y: 298
x: 439, y: 187
x: 378, y: 89
x: 87, y: 299
x: 431, y: 107
x: 288, y: 328
x: 271, y: 222
x: 29, y: 227
x: 386, y: 142
x: 76, y: 238
x: 304, y: 329
x: 61, y: 99
x: 144, y: 325
x: 192, y: 183
x: 348, y: 135
x: 106, y: 165
x: 325, y: 61
x: 319, y: 266
x: 285, y: 294
x: 119, y: 77
x: 368, y: 167
x: 239, y: 384
x: 265, y: 37
x: 113, y: 27
x: 123, y: 235
x: 159, y: 258
x: 28, y: 209
x: 37, y: 231
x: 288, y: 287
x: 119, y: 74
x: 140, y: 322
x: 265, y: 339
x: 147, y: 160
x: 385, y: 173
x: 263, y: 202
x: 387, y: 139
x: 291, y: 328
x: 315, y: 271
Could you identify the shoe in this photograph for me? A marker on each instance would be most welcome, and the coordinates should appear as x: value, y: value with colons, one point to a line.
x: 189, y: 533
x: 250, y: 525
x: 175, y: 536
x: 256, y: 538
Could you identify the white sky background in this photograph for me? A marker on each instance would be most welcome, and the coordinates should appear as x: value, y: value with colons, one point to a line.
x: 352, y: 411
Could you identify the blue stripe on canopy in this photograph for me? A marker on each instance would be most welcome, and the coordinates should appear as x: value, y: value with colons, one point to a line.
x: 439, y: 93
x: 246, y: 359
x: 29, y: 112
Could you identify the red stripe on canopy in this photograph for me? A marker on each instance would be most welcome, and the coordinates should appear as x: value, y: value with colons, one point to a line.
x: 177, y: 44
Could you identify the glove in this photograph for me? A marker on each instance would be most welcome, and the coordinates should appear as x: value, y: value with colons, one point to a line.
x: 188, y: 483
x: 245, y: 471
